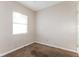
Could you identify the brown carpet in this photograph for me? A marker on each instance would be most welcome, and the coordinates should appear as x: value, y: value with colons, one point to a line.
x: 39, y: 50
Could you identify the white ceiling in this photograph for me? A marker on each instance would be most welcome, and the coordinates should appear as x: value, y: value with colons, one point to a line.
x: 38, y: 5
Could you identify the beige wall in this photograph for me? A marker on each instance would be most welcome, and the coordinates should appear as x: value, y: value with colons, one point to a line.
x: 53, y: 26
x: 8, y: 41
x: 78, y: 27
x: 56, y: 26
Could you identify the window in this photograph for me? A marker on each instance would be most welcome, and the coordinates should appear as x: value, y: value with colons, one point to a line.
x: 20, y: 23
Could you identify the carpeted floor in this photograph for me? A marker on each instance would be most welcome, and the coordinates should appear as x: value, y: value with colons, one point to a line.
x: 39, y: 50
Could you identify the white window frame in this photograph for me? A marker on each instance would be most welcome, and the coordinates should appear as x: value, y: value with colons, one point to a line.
x: 20, y: 25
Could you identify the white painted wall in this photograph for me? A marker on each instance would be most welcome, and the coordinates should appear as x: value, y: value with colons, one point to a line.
x: 56, y: 26
x: 8, y: 41
x: 78, y: 27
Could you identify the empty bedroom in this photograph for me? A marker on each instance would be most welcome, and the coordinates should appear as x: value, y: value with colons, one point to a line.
x: 39, y: 29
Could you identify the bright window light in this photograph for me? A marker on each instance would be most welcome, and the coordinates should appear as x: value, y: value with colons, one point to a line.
x: 20, y: 23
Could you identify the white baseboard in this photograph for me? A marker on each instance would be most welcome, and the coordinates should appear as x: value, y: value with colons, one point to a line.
x: 57, y: 47
x: 15, y: 49
x: 36, y: 42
